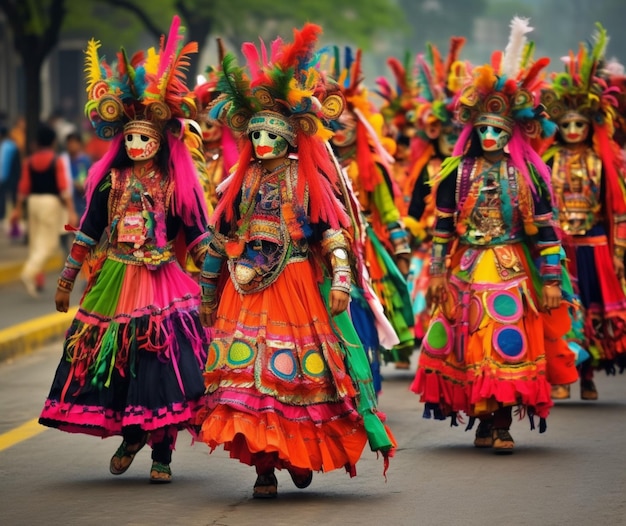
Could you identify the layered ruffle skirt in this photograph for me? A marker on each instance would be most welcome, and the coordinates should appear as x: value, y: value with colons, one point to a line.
x: 133, y: 354
x: 279, y: 382
x: 489, y: 345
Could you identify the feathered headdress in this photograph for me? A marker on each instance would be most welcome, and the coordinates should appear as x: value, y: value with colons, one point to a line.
x: 149, y: 86
x: 505, y: 94
x: 348, y: 77
x: 147, y: 91
x: 282, y: 88
x: 281, y: 80
x: 582, y: 88
x: 399, y: 104
x: 438, y: 82
x: 585, y: 89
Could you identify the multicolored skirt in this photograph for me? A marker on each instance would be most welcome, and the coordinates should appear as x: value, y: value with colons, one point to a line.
x: 417, y: 283
x: 277, y: 380
x: 391, y: 288
x: 603, y: 299
x: 489, y: 345
x: 133, y: 354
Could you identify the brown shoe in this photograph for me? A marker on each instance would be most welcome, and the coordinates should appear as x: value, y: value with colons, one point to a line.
x: 484, y: 436
x: 588, y: 390
x: 503, y: 442
x: 560, y: 392
x: 265, y: 487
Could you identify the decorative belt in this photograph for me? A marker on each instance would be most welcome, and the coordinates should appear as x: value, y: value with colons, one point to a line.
x: 589, y: 241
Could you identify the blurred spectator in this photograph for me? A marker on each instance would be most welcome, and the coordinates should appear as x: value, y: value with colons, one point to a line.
x: 44, y: 184
x: 62, y: 127
x: 9, y: 175
x: 18, y: 134
x: 80, y: 163
x: 96, y: 147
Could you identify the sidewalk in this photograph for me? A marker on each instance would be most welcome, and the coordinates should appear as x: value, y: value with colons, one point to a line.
x: 27, y: 323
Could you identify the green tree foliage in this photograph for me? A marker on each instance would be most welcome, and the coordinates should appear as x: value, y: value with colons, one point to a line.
x: 35, y: 25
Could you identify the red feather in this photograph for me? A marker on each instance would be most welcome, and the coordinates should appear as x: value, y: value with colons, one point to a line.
x: 399, y: 73
x: 534, y: 71
x: 304, y: 41
x: 456, y: 44
x: 496, y: 61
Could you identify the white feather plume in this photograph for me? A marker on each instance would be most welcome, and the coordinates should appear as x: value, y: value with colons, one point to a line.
x: 514, y: 50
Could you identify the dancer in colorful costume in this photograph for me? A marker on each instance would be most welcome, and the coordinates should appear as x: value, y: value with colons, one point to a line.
x: 588, y: 180
x: 288, y: 384
x: 133, y: 356
x: 358, y: 147
x: 220, y: 148
x: 497, y: 316
x: 435, y: 132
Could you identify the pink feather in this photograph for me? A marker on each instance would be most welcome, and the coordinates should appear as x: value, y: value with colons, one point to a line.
x: 171, y: 45
x: 251, y: 53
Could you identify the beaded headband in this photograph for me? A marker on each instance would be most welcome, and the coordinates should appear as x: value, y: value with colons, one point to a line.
x: 272, y: 122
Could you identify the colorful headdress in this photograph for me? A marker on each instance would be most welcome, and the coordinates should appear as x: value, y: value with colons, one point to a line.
x: 147, y: 93
x: 372, y: 146
x: 586, y: 90
x: 504, y: 92
x: 283, y: 91
x: 206, y: 90
x: 149, y: 86
x: 581, y: 88
x: 399, y: 104
x: 438, y: 84
x: 282, y: 81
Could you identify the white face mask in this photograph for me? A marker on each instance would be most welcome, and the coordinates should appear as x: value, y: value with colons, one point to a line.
x: 268, y: 145
x: 141, y: 147
x: 574, y: 130
x: 447, y: 140
x: 493, y: 139
x: 346, y: 134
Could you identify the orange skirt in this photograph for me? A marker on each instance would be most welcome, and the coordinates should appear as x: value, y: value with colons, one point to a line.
x: 490, y: 345
x: 276, y: 381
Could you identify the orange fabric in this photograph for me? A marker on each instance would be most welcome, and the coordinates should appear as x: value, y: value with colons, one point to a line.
x: 275, y: 375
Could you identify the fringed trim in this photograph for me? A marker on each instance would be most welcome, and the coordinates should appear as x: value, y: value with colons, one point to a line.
x: 94, y: 350
x: 103, y: 422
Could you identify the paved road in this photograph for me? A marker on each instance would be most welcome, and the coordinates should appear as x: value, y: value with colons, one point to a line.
x: 574, y: 474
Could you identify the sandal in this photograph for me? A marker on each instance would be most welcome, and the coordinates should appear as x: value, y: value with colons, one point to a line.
x: 484, y: 436
x: 301, y: 477
x: 160, y: 473
x: 265, y: 487
x: 560, y: 392
x: 125, y: 451
x: 588, y: 390
x: 503, y: 442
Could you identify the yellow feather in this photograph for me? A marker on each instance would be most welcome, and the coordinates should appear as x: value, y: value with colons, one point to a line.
x: 152, y: 62
x: 484, y: 78
x: 296, y: 94
x: 92, y: 64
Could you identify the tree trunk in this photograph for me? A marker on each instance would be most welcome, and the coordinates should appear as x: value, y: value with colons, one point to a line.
x: 32, y: 78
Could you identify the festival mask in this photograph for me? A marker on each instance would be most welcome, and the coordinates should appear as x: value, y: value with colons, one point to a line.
x: 447, y: 139
x: 142, y: 140
x: 345, y: 135
x: 492, y: 139
x: 211, y: 131
x: 574, y: 128
x: 268, y: 145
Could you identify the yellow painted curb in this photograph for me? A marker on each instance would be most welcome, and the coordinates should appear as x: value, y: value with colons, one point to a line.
x: 10, y: 272
x: 28, y: 336
x: 21, y: 433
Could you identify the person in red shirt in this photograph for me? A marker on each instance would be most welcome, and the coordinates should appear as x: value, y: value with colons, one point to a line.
x: 44, y: 188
